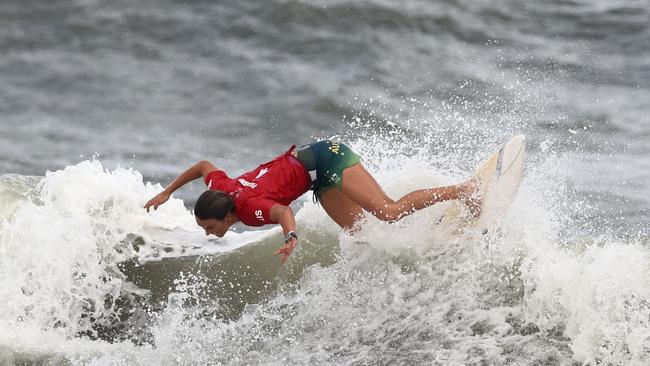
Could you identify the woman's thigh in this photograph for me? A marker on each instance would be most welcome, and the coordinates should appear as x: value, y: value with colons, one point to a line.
x: 341, y: 208
x: 360, y: 187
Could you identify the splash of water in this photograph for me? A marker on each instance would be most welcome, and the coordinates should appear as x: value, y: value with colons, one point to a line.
x: 533, y: 288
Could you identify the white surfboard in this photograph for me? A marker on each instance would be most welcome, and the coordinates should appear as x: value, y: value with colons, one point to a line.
x: 499, y: 176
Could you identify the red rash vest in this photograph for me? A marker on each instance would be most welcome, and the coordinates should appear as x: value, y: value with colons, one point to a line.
x: 279, y: 181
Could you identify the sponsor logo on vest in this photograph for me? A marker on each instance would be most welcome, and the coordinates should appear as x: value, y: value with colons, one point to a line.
x: 258, y: 214
x: 246, y: 183
x: 261, y: 173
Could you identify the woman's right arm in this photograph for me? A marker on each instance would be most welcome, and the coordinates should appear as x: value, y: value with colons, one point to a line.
x: 198, y: 170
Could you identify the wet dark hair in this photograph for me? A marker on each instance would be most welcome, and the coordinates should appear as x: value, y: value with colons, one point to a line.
x: 213, y: 205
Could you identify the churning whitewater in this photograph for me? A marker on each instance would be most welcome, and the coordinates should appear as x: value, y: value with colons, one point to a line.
x: 90, y: 278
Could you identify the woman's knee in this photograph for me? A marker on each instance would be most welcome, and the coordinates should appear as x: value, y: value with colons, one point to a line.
x: 389, y: 213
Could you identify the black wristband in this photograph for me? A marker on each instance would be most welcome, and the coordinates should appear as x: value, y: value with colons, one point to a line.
x: 290, y: 234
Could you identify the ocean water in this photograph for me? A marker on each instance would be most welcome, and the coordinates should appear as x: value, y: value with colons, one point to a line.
x: 103, y: 103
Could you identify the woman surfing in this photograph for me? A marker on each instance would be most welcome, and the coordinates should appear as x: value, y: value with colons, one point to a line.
x: 333, y: 171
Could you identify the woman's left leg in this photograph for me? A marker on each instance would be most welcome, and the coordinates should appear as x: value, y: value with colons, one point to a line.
x: 363, y: 189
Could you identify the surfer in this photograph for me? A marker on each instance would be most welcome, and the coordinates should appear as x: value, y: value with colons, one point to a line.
x: 342, y: 186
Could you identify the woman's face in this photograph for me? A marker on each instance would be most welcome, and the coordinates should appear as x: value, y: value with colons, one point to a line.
x: 214, y: 226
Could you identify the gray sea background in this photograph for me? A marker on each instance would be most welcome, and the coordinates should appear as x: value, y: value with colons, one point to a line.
x: 425, y: 90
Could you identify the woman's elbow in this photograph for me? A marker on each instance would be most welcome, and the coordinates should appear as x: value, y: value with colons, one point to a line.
x: 205, y: 167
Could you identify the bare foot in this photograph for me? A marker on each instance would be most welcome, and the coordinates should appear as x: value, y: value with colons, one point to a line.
x: 470, y: 196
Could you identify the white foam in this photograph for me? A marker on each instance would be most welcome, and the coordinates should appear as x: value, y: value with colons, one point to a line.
x: 533, y: 289
x: 61, y: 242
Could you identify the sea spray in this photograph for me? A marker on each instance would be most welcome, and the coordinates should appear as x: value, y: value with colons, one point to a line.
x: 62, y: 241
x: 535, y: 287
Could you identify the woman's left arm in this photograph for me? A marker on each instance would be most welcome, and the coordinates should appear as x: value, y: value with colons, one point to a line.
x: 284, y: 216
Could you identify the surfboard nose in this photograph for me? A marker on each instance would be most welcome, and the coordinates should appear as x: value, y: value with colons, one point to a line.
x: 518, y: 139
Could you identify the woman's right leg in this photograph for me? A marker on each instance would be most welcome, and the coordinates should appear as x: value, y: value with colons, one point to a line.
x: 360, y: 187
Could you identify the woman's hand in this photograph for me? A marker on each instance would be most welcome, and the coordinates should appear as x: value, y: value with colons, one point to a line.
x: 196, y: 171
x: 160, y: 198
x: 286, y: 249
